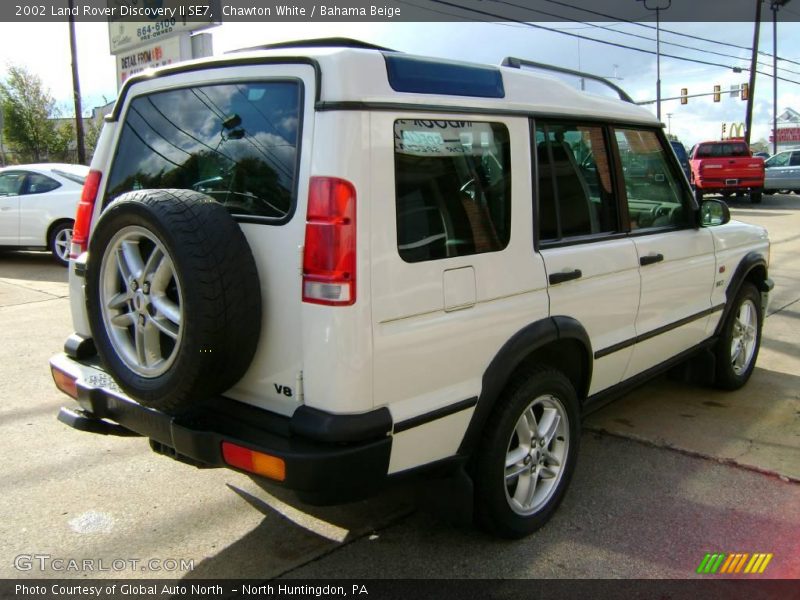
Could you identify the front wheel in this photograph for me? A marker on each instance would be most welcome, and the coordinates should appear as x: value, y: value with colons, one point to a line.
x: 737, y: 348
x: 525, y: 461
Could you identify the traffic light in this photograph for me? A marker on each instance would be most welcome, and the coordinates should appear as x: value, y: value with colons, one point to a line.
x: 684, y: 95
x: 744, y: 92
x: 723, y: 131
x: 716, y: 93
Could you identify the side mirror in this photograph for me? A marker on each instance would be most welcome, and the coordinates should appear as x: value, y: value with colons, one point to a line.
x: 714, y: 212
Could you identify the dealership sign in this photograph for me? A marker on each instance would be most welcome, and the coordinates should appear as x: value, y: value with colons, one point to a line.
x: 137, y: 23
x: 787, y: 134
x: 167, y: 51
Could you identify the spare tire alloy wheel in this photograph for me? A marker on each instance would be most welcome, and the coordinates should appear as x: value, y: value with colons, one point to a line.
x: 526, y: 458
x: 173, y: 297
x: 141, y: 301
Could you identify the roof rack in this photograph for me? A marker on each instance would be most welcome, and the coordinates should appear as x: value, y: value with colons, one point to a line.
x: 328, y: 42
x: 518, y: 63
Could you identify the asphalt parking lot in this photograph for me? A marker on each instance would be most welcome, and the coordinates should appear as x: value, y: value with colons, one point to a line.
x: 666, y: 474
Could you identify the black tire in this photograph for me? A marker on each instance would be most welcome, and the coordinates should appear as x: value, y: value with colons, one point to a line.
x: 729, y: 375
x: 59, y: 241
x: 494, y: 486
x: 202, y: 318
x: 755, y: 197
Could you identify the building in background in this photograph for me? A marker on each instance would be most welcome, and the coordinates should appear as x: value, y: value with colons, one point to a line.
x: 788, y: 123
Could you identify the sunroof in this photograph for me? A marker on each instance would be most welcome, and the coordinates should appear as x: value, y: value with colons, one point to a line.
x: 425, y: 76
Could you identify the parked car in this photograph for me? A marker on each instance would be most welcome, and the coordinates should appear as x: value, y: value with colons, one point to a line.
x: 334, y: 266
x: 38, y: 204
x: 782, y: 173
x: 726, y: 167
x: 683, y: 157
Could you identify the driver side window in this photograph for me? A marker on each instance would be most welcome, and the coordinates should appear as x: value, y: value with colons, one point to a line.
x: 655, y: 197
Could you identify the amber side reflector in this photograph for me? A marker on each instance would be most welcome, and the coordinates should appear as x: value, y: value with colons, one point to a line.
x: 66, y: 383
x: 254, y: 462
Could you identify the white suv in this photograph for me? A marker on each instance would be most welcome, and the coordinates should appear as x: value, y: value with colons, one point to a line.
x: 331, y: 265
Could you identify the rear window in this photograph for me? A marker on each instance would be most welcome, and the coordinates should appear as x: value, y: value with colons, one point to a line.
x: 234, y: 142
x: 722, y: 150
x: 453, y: 186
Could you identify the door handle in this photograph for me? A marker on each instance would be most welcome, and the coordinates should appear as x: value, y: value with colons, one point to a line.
x: 557, y: 278
x: 651, y: 259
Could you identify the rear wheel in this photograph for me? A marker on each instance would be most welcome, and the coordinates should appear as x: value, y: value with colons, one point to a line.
x: 755, y: 197
x: 525, y: 461
x: 737, y: 348
x: 60, y: 241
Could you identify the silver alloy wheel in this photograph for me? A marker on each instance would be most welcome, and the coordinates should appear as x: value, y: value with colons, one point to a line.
x: 536, y: 455
x: 141, y: 301
x: 62, y: 242
x: 743, y: 337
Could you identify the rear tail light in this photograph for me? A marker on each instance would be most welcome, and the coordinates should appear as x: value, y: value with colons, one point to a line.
x: 253, y: 461
x: 65, y: 382
x: 329, y: 256
x: 83, y: 217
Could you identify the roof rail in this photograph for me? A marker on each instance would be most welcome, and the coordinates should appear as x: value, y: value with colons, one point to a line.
x: 518, y: 63
x: 329, y: 42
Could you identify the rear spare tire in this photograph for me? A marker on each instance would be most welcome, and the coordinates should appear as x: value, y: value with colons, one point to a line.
x: 172, y: 296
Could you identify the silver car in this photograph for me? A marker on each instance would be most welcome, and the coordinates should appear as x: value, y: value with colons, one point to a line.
x: 782, y: 172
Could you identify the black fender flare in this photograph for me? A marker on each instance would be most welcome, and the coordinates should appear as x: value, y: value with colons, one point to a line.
x: 520, y: 346
x: 751, y: 260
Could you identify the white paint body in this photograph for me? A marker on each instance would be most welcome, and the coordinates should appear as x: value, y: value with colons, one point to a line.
x: 421, y: 335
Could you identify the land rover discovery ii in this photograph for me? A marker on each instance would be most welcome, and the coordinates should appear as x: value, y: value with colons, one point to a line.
x: 330, y: 265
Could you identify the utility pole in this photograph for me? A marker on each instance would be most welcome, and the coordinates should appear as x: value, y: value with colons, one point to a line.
x: 658, y: 8
x: 748, y: 121
x: 775, y: 5
x: 76, y: 88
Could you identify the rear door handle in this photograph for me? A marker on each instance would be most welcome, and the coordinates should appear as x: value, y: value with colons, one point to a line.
x: 556, y: 278
x: 651, y: 259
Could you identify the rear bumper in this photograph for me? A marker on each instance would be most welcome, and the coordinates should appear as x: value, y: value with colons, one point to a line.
x: 328, y: 458
x: 717, y: 186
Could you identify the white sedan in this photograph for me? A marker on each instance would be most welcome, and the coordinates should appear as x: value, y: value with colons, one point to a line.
x: 37, y: 206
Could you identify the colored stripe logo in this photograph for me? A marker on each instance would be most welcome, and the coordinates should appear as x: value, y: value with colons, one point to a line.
x: 732, y: 563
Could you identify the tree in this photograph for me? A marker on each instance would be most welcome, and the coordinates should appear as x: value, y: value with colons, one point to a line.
x: 28, y: 111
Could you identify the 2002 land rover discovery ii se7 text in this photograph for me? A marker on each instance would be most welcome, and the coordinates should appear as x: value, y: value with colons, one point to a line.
x: 329, y: 264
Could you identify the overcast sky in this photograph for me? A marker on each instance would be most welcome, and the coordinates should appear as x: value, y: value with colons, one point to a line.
x: 44, y: 49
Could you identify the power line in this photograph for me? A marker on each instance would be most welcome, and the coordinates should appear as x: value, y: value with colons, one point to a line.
x: 606, y: 42
x: 679, y: 33
x: 635, y: 35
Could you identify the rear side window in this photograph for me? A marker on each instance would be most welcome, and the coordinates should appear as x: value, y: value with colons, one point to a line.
x: 235, y: 142
x: 576, y: 197
x: 39, y: 184
x: 453, y: 188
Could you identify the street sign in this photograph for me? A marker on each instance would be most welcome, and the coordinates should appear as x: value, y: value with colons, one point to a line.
x: 164, y: 52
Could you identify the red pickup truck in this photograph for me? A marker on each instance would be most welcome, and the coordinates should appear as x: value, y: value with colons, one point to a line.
x: 726, y: 167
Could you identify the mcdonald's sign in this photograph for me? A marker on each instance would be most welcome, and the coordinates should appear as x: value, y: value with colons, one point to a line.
x: 735, y: 130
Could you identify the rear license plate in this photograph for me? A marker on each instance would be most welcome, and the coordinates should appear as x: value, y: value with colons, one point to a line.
x: 731, y: 181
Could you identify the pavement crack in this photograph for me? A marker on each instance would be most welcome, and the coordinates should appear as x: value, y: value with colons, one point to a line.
x: 51, y: 299
x: 729, y: 461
